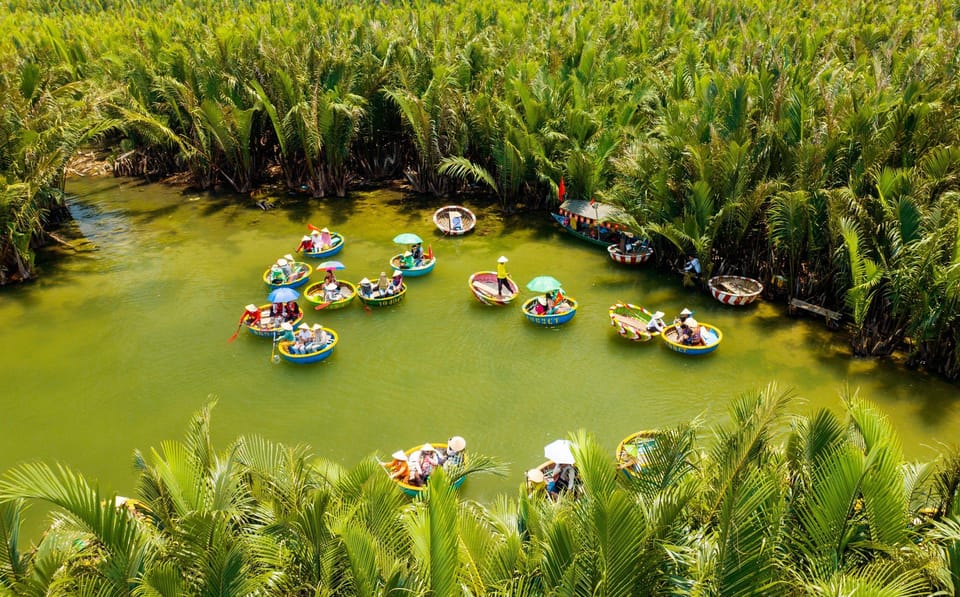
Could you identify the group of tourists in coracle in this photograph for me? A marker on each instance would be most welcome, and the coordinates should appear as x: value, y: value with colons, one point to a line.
x: 411, y: 469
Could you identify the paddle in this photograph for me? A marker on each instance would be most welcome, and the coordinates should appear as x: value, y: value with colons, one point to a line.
x: 322, y: 306
x: 274, y: 357
x: 234, y: 336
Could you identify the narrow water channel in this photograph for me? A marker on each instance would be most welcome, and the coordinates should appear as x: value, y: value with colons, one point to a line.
x: 114, y: 347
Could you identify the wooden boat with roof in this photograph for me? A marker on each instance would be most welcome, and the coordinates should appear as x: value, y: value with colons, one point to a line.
x: 592, y: 222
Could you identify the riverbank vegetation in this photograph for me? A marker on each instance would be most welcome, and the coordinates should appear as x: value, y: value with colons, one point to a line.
x: 814, y: 149
x: 772, y: 503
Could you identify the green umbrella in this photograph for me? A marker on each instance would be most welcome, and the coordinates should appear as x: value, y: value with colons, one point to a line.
x: 407, y: 238
x: 543, y: 284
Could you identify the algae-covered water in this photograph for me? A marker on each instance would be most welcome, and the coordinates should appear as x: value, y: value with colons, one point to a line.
x: 117, y: 344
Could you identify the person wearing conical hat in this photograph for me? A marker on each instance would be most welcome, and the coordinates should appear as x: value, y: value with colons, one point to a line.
x: 326, y: 241
x: 656, y: 324
x: 306, y: 244
x: 396, y: 282
x: 251, y: 316
x: 284, y: 264
x: 428, y: 460
x: 330, y: 277
x: 383, y: 284
x: 453, y: 455
x: 502, y: 276
x: 406, y: 260
x: 366, y: 288
x: 286, y: 334
x: 398, y: 467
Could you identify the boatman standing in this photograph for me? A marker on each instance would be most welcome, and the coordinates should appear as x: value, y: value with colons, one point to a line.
x: 502, y: 276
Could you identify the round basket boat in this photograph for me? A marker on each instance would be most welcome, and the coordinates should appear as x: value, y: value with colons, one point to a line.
x: 336, y: 245
x: 631, y: 321
x: 633, y: 452
x: 629, y: 258
x: 301, y: 273
x: 425, y: 267
x: 454, y: 220
x: 315, y: 294
x: 711, y: 335
x: 386, y: 301
x: 549, y: 320
x: 734, y: 290
x: 483, y: 285
x: 271, y: 328
x: 283, y: 348
x: 414, y: 490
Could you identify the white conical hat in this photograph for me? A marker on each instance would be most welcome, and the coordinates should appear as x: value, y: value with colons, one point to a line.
x: 686, y: 312
x: 251, y: 308
x: 658, y: 314
x: 400, y: 455
x: 286, y: 326
x: 305, y: 238
x: 316, y: 327
x: 535, y: 475
x: 365, y: 281
x: 428, y: 447
x: 281, y: 262
x: 331, y: 286
x: 397, y: 272
x: 289, y: 258
x: 502, y: 259
x: 303, y: 326
x: 456, y: 443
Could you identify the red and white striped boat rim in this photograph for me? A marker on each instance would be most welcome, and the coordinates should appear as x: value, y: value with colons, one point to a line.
x: 731, y: 298
x: 631, y: 258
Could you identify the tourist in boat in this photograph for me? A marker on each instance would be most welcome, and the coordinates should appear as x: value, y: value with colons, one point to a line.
x: 453, y: 455
x: 326, y: 241
x: 693, y: 336
x: 692, y: 267
x: 536, y: 482
x: 304, y: 338
x: 306, y: 244
x: 383, y: 285
x: 315, y: 241
x: 366, y: 287
x: 329, y: 278
x: 428, y: 460
x: 502, y: 276
x: 396, y: 282
x: 332, y: 293
x: 415, y: 475
x: 285, y: 268
x: 656, y: 323
x: 320, y: 337
x: 276, y: 275
x: 398, y: 467
x: 292, y: 311
x: 682, y: 317
x: 417, y: 252
x: 406, y: 261
x: 539, y: 306
x: 563, y: 478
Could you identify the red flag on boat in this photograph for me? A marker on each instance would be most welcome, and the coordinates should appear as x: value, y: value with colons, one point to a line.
x: 593, y: 202
x: 429, y: 252
x: 561, y: 190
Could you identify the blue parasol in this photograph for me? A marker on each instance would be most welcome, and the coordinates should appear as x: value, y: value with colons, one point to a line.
x: 283, y: 295
x: 407, y: 238
x: 331, y: 265
x: 544, y: 284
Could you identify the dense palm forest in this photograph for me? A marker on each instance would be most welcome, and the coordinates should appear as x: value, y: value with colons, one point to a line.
x: 813, y: 148
x: 768, y: 503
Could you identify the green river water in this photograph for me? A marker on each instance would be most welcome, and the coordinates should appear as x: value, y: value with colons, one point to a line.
x: 114, y: 348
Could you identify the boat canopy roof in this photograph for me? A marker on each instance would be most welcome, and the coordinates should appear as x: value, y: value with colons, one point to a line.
x: 598, y: 211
